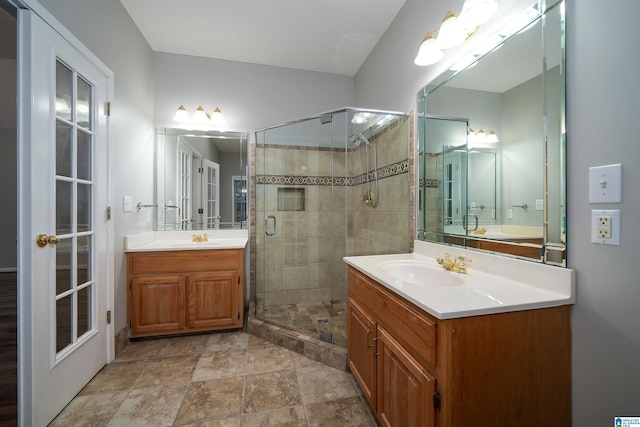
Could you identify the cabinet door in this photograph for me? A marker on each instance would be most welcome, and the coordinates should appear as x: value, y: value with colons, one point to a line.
x: 214, y: 300
x: 157, y: 304
x: 361, y: 357
x: 405, y: 389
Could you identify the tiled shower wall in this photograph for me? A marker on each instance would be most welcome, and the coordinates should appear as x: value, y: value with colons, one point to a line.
x: 303, y: 260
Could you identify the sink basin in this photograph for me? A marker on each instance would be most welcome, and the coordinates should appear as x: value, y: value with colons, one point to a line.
x: 420, y: 274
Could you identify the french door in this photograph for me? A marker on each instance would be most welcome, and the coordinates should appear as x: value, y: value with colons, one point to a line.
x: 64, y: 250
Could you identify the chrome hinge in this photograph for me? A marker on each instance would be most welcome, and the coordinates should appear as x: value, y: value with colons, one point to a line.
x: 108, y: 317
x: 108, y: 213
x: 108, y: 110
x: 436, y: 400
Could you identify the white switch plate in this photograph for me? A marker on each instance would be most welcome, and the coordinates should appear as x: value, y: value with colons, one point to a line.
x: 127, y: 204
x: 605, y: 222
x: 605, y: 184
x: 510, y: 213
x: 539, y: 204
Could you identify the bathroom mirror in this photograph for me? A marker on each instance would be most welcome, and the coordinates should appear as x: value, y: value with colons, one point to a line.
x: 505, y: 196
x: 201, y: 179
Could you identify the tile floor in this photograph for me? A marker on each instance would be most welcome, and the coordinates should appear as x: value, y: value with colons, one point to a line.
x: 221, y: 379
x: 312, y: 319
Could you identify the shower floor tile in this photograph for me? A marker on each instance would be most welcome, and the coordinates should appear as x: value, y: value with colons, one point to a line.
x: 309, y: 318
x: 227, y: 379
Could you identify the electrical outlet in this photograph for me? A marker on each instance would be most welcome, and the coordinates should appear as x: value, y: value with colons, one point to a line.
x: 510, y: 213
x: 605, y: 227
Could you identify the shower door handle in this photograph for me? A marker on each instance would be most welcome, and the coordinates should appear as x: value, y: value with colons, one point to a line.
x: 465, y: 222
x: 266, y: 225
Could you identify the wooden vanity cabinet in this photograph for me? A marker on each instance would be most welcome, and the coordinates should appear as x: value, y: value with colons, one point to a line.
x: 177, y: 292
x: 500, y: 369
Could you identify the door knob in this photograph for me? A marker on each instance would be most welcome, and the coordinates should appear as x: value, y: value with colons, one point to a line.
x: 43, y: 240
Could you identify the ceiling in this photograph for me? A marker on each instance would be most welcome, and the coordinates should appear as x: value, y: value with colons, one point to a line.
x: 331, y: 36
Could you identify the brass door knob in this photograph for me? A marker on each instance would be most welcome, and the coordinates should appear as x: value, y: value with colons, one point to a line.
x: 43, y: 240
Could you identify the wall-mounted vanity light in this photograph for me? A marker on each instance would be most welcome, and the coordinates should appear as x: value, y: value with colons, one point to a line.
x: 200, y: 116
x: 454, y: 30
x: 482, y: 137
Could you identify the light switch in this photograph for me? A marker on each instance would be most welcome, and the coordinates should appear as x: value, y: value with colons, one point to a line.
x: 605, y: 184
x: 127, y: 204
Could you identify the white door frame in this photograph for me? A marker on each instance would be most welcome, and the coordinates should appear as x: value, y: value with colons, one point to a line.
x: 25, y: 241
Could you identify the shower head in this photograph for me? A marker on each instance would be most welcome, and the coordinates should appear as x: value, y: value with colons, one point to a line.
x: 358, y: 138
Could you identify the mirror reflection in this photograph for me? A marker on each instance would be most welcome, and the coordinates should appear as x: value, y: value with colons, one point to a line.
x: 201, y: 179
x: 491, y: 148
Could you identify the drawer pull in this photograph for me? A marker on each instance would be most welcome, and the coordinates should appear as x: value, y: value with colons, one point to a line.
x: 375, y: 351
x: 367, y: 339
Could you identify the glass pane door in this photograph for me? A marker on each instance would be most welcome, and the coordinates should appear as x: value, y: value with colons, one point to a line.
x: 74, y: 294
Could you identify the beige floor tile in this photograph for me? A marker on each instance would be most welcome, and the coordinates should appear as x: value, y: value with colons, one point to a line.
x: 268, y: 358
x: 156, y: 406
x: 221, y: 364
x: 302, y: 361
x: 209, y: 400
x: 115, y: 377
x: 227, y: 341
x: 227, y: 422
x: 178, y: 346
x: 337, y: 413
x: 322, y: 383
x: 141, y: 350
x: 91, y: 410
x: 286, y: 417
x: 256, y: 341
x: 168, y: 370
x: 271, y: 390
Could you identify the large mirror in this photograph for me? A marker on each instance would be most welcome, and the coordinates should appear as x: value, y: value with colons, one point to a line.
x: 201, y: 179
x: 491, y: 151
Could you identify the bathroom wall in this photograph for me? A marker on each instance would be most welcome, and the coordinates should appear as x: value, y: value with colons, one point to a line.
x: 250, y: 96
x: 602, y: 100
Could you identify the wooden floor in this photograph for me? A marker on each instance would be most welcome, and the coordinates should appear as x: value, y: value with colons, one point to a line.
x: 8, y: 350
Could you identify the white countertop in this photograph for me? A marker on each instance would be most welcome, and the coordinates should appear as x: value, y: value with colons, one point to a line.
x: 493, y: 284
x: 156, y: 241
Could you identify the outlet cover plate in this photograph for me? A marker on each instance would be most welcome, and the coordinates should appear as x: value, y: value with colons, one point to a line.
x: 613, y: 216
x: 605, y: 184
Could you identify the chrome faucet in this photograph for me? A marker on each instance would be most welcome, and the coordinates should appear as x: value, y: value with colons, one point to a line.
x: 458, y: 265
x: 200, y: 237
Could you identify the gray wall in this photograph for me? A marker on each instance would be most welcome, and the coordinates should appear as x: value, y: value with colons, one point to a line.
x: 250, y: 96
x: 602, y: 102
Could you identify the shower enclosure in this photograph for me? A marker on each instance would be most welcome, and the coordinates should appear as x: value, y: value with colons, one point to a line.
x: 328, y: 186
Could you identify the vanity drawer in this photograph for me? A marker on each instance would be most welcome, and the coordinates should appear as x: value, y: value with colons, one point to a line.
x: 410, y: 324
x: 183, y: 261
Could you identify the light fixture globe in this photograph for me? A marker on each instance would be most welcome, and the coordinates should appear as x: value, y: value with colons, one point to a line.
x: 451, y: 32
x: 181, y: 115
x: 492, y: 138
x: 200, y: 116
x: 428, y: 53
x: 477, y: 12
x: 217, y: 118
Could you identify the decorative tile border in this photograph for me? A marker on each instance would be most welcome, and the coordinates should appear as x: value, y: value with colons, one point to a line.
x: 394, y: 169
